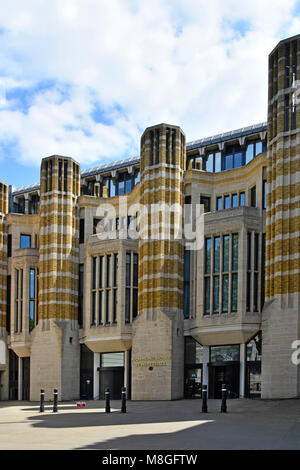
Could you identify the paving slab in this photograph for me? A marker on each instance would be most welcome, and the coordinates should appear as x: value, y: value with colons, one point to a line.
x: 176, y: 425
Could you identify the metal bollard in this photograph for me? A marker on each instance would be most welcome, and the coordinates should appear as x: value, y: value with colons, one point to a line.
x: 204, y: 399
x: 123, y: 407
x: 224, y: 397
x: 107, y: 401
x: 42, y: 401
x: 55, y: 400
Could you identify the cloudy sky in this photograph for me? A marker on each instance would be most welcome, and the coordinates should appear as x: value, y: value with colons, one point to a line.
x: 84, y: 78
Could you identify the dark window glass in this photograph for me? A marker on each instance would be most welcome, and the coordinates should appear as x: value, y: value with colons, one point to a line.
x: 249, y: 251
x: 255, y: 293
x: 286, y: 113
x: 80, y: 296
x: 216, y: 287
x: 127, y: 305
x: 263, y: 260
x: 8, y: 303
x: 100, y: 300
x: 81, y: 231
x: 256, y: 243
x: 228, y: 161
x: 9, y: 245
x: 108, y: 258
x: 93, y: 317
x: 115, y: 305
x: 128, y: 269
x: 238, y: 159
x: 253, y: 196
x: 135, y: 269
x: 207, y: 296
x: 225, y: 253
x: 25, y: 241
x: 230, y: 352
x: 59, y: 175
x: 216, y: 254
x: 186, y: 290
x: 94, y: 264
x: 115, y: 269
x: 235, y: 251
x: 248, y: 297
x: 206, y: 202
x: 207, y: 255
x: 287, y: 65
x: 225, y: 283
x: 167, y: 145
x: 107, y: 306
x: 65, y: 175
x: 134, y: 303
x: 234, y: 292
x: 101, y: 272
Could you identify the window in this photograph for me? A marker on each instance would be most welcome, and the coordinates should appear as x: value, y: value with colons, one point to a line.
x: 186, y: 284
x: 242, y: 199
x: 80, y: 295
x: 131, y: 290
x: 253, y: 196
x: 32, y: 298
x: 18, y: 300
x: 213, y: 162
x: 25, y: 241
x: 234, y: 200
x: 81, y: 231
x: 286, y: 113
x: 287, y: 65
x: 226, y: 353
x: 9, y: 246
x: 219, y: 203
x: 225, y: 275
x: 208, y: 254
x: 227, y: 202
x: 205, y: 200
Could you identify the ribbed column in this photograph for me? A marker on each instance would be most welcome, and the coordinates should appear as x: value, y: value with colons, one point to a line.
x: 59, y: 248
x: 157, y: 353
x: 281, y: 315
x: 3, y: 255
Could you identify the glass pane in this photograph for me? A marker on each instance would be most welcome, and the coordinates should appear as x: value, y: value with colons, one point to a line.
x: 249, y: 153
x: 128, y: 185
x: 234, y: 292
x: 112, y: 359
x: 128, y: 270
x: 100, y: 308
x: 207, y: 255
x: 127, y: 306
x: 193, y: 351
x: 135, y: 269
x: 238, y: 159
x: 225, y: 293
x: 235, y: 251
x: 210, y: 163
x: 242, y: 199
x: 234, y: 200
x: 258, y: 148
x: 31, y: 315
x: 134, y: 303
x: 228, y: 162
x: 216, y: 294
x: 254, y: 348
x: 226, y: 253
x: 207, y: 296
x: 219, y: 203
x: 216, y: 254
x: 186, y: 300
x: 226, y: 202
x: 32, y: 284
x: 230, y: 352
x: 217, y: 162
x: 25, y: 241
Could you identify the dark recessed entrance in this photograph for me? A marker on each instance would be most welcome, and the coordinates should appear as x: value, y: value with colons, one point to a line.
x: 111, y: 374
x: 193, y: 381
x: 26, y: 378
x: 224, y: 373
x: 13, y: 375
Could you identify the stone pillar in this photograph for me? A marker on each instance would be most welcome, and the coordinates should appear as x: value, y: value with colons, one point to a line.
x: 281, y: 312
x: 158, y: 342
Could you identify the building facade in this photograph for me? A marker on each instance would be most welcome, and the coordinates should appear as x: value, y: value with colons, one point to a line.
x: 102, y: 285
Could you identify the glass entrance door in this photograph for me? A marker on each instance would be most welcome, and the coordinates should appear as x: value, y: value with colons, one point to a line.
x: 224, y: 373
x: 193, y: 382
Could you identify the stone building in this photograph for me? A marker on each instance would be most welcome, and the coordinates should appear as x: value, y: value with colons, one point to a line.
x: 101, y: 285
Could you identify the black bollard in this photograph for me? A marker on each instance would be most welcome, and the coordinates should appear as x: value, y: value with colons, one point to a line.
x: 204, y: 399
x: 42, y: 401
x: 224, y: 397
x: 55, y: 400
x: 107, y: 401
x: 123, y: 407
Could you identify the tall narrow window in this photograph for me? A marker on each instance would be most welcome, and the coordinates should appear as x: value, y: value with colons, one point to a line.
x: 253, y: 196
x: 219, y: 203
x: 59, y: 175
x: 167, y: 145
x: 80, y: 295
x: 32, y: 298
x: 286, y: 113
x: 173, y: 146
x: 249, y: 265
x: 287, y: 65
x: 225, y: 275
x: 216, y: 287
x: 65, y: 175
x: 216, y: 254
x: 242, y: 199
x: 186, y: 289
x: 151, y: 147
x: 234, y: 271
x: 264, y: 194
x: 157, y: 146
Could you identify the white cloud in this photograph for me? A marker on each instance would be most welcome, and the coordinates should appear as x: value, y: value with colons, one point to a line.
x: 179, y: 61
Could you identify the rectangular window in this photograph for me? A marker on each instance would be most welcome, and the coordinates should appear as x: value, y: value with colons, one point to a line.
x: 65, y: 175
x: 93, y: 313
x: 234, y: 200
x: 135, y: 269
x: 134, y: 303
x: 59, y: 175
x: 235, y: 251
x: 255, y: 293
x: 249, y: 251
x: 234, y: 292
x: 216, y: 288
x: 225, y: 253
x: 101, y: 272
x: 225, y: 283
x: 217, y: 162
x: 100, y: 301
x: 207, y: 296
x: 108, y: 258
x: 94, y: 264
x: 264, y: 194
x: 127, y: 305
x: 227, y: 202
x: 25, y: 241
x: 107, y: 307
x: 286, y: 113
x: 287, y: 65
x: 242, y: 199
x: 186, y: 285
x: 249, y: 153
x: 253, y: 196
x: 115, y: 305
x: 32, y: 298
x: 115, y: 270
x: 248, y: 297
x: 81, y: 231
x: 80, y: 295
x: 256, y: 243
x: 167, y: 145
x: 210, y: 163
x: 207, y: 255
x: 219, y: 203
x: 8, y: 303
x: 9, y: 245
x: 205, y: 200
x: 128, y: 269
x: 216, y: 254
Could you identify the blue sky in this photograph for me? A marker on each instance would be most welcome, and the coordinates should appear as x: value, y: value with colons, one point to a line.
x: 84, y: 78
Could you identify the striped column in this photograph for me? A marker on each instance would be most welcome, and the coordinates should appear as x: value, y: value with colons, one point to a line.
x: 59, y: 241
x: 158, y: 343
x: 281, y: 313
x: 3, y: 255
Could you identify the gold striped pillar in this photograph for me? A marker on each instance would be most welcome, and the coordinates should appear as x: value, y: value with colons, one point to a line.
x: 3, y: 256
x: 157, y: 354
x: 281, y: 316
x: 55, y: 346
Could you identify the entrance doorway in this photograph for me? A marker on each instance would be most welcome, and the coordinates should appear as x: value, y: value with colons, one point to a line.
x: 13, y: 375
x: 26, y: 378
x: 193, y: 382
x: 224, y: 373
x: 253, y: 379
x: 112, y: 378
